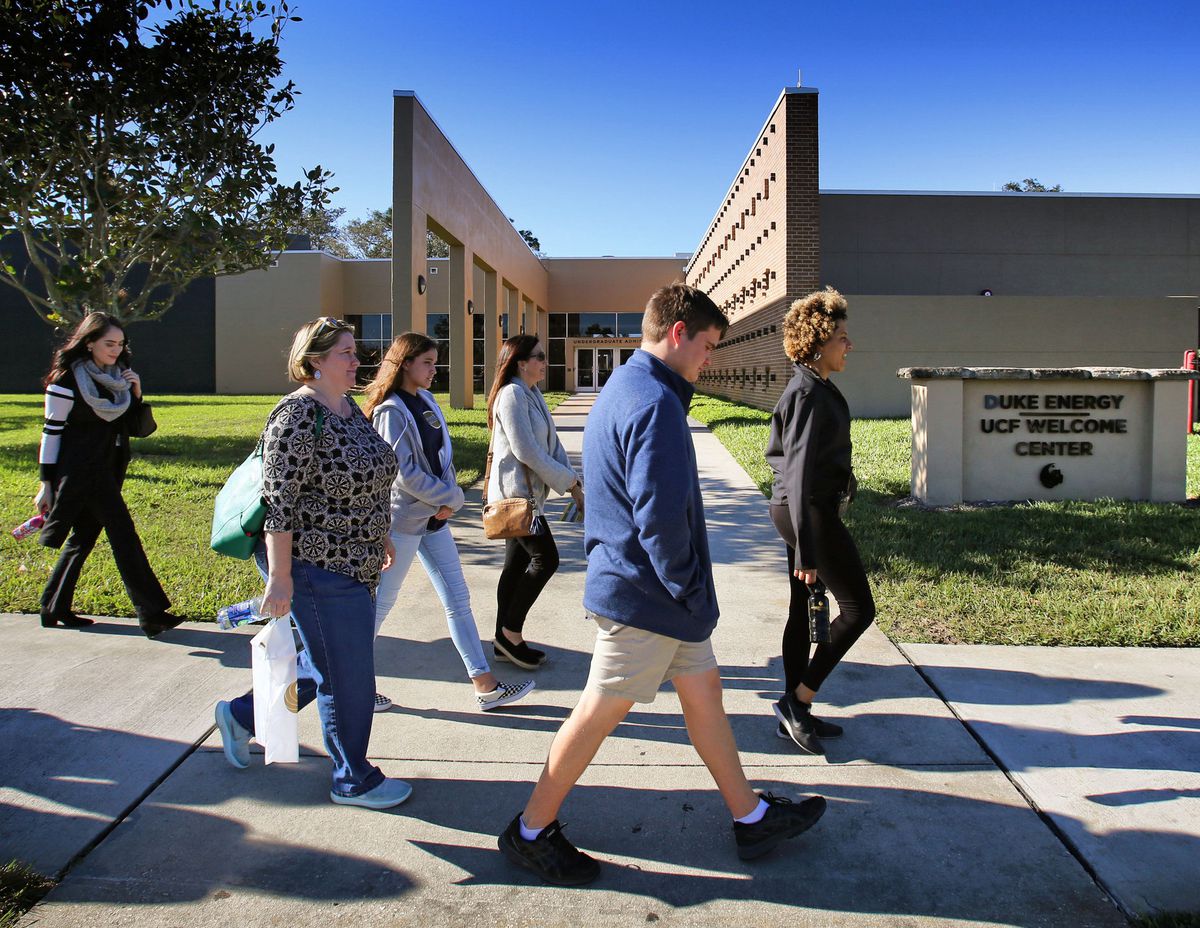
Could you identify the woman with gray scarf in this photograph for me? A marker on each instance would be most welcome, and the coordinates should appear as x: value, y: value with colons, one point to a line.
x: 91, y: 395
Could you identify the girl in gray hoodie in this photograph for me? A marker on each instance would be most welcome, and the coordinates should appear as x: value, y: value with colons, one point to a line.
x: 425, y: 494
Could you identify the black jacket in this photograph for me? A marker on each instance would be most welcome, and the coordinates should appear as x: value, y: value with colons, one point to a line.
x: 809, y: 451
x: 93, y: 455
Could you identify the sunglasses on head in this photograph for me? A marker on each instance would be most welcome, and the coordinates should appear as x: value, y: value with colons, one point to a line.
x: 328, y: 322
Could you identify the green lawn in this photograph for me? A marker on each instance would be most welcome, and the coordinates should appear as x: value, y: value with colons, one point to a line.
x: 1105, y: 573
x: 173, y: 478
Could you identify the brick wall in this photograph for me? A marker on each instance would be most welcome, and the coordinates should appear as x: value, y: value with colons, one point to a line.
x: 762, y: 251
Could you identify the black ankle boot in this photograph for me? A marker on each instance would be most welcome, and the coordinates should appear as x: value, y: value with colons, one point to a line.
x: 67, y: 620
x: 153, y: 627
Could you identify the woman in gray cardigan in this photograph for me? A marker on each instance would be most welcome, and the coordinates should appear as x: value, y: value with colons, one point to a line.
x: 425, y: 494
x: 527, y: 460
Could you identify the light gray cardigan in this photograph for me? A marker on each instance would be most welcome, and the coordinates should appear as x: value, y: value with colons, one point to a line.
x: 523, y: 435
x: 419, y: 489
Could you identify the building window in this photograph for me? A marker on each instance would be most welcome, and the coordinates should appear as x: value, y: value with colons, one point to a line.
x: 437, y: 327
x: 373, y: 335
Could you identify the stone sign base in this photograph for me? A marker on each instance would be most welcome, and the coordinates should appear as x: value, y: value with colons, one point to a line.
x: 1085, y: 433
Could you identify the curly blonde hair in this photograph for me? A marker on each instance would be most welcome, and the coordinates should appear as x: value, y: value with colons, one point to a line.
x: 810, y: 323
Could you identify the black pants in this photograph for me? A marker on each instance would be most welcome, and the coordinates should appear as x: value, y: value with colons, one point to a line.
x: 529, y: 563
x: 841, y: 570
x: 105, y: 511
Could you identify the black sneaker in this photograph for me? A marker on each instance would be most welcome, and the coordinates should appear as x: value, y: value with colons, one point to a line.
x: 550, y: 855
x: 783, y: 819
x: 154, y: 626
x: 797, y: 723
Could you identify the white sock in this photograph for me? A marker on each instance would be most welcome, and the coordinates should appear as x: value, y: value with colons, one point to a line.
x: 748, y: 819
x: 529, y: 834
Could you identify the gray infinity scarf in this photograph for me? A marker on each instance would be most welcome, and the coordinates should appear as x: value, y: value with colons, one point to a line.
x: 89, y: 376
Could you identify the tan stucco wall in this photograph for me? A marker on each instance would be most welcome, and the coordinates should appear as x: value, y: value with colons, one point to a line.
x: 366, y: 287
x: 891, y: 332
x: 623, y: 285
x: 257, y: 314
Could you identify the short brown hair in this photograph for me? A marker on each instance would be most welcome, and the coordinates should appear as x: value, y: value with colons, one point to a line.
x: 811, y: 322
x: 314, y: 340
x: 678, y: 302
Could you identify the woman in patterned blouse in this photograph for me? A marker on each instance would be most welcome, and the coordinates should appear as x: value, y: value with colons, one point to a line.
x: 327, y: 477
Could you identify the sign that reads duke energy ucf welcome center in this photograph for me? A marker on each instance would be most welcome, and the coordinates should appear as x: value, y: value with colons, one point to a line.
x: 1037, y: 433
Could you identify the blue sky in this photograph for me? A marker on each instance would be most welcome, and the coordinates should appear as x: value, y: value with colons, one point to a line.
x: 616, y: 127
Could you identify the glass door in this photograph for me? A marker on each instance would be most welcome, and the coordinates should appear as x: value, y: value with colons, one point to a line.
x: 604, y: 366
x: 585, y: 370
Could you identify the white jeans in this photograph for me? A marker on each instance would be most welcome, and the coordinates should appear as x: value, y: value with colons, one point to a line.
x: 439, y: 557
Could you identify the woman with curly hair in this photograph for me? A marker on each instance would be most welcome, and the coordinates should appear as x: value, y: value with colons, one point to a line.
x: 809, y: 453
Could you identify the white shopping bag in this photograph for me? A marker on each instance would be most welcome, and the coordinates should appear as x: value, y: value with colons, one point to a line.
x: 273, y: 659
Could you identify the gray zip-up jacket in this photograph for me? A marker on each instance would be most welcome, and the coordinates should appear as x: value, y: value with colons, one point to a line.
x: 523, y: 436
x: 421, y: 487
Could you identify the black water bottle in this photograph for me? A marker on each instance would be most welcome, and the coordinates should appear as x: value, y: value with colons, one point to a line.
x: 818, y: 614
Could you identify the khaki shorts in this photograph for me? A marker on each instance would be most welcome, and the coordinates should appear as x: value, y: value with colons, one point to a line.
x: 632, y: 663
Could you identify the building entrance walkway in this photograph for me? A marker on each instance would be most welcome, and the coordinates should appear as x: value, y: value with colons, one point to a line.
x: 924, y: 826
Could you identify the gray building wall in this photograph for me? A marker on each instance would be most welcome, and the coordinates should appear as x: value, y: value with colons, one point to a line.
x: 174, y: 355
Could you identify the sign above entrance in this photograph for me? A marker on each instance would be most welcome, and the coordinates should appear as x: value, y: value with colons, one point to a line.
x: 1048, y: 433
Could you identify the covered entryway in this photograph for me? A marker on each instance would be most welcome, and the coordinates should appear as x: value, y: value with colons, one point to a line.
x: 593, y: 366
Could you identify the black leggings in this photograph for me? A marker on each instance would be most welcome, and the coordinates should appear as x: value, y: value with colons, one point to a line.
x: 841, y: 570
x: 529, y: 563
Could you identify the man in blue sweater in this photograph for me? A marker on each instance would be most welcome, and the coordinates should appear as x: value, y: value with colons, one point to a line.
x: 650, y: 591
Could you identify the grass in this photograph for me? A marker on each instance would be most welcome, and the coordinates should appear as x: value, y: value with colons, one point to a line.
x: 172, y: 481
x: 1170, y: 920
x: 1070, y: 573
x: 20, y: 889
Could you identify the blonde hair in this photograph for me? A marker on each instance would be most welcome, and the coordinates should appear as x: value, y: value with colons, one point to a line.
x: 811, y: 322
x: 314, y: 340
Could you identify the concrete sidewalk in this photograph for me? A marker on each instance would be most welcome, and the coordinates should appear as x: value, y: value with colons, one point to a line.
x: 924, y: 828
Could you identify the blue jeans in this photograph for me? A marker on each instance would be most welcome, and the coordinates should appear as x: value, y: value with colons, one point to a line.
x: 439, y: 557
x: 334, y: 616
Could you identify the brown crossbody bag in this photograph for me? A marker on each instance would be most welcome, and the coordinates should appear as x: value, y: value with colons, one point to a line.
x: 511, y: 517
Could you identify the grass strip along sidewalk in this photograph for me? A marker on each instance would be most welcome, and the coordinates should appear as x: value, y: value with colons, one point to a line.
x: 1067, y: 573
x: 172, y: 481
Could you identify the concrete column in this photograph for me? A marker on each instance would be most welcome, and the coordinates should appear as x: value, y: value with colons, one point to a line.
x: 462, y: 355
x: 937, y: 441
x: 1168, y: 441
x: 493, y: 292
x: 409, y: 223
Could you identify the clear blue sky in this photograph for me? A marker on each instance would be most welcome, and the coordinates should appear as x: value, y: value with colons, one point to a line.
x: 616, y: 127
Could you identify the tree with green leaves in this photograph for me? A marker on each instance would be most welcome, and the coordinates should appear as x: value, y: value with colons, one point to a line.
x: 371, y: 237
x: 131, y: 160
x: 320, y: 225
x: 1031, y: 185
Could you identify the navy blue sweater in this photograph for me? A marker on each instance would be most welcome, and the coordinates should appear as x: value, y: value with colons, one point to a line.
x: 648, y: 563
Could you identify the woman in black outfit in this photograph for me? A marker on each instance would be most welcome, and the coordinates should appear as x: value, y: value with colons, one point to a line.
x: 91, y: 396
x: 809, y: 452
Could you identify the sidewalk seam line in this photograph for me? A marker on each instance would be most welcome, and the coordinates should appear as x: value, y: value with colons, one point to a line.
x: 128, y: 810
x: 1045, y: 817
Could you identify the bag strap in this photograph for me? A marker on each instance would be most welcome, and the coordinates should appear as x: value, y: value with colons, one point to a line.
x: 487, y: 470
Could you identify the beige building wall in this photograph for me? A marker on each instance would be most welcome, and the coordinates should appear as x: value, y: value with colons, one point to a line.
x: 600, y: 285
x: 891, y: 332
x: 762, y: 250
x: 434, y: 189
x: 257, y: 314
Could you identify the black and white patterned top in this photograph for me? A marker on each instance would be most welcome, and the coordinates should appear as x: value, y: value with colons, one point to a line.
x: 334, y: 493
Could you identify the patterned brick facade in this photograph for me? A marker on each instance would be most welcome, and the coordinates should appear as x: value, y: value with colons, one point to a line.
x: 762, y: 251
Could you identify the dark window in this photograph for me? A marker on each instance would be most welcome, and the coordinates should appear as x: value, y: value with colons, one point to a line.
x: 556, y: 377
x: 604, y: 324
x: 477, y: 323
x: 437, y: 325
x: 629, y: 325
x: 558, y: 351
x: 558, y: 325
